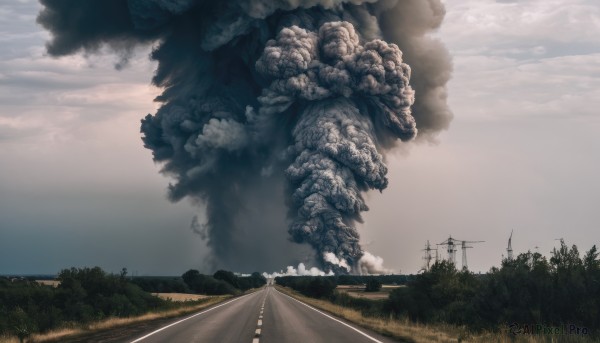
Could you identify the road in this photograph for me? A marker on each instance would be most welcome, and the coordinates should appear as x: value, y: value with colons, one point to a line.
x: 261, y: 317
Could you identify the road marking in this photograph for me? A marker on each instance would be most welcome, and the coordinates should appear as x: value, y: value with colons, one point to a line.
x: 332, y: 318
x: 190, y: 317
x: 259, y: 323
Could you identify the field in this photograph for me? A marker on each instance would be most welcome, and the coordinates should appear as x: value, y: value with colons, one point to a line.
x: 358, y: 291
x: 53, y: 283
x: 180, y: 297
x: 176, y: 297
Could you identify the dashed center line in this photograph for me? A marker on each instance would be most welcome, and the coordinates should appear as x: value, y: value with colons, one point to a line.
x: 256, y: 338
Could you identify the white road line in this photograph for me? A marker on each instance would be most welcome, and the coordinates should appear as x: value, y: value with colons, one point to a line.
x: 259, y: 323
x: 184, y: 319
x: 337, y: 320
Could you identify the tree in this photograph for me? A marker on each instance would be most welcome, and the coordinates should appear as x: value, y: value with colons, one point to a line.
x: 373, y: 285
x: 23, y: 326
x: 228, y: 277
x: 205, y: 284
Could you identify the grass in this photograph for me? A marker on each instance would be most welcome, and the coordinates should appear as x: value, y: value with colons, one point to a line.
x: 180, y: 297
x: 358, y: 291
x: 113, y: 323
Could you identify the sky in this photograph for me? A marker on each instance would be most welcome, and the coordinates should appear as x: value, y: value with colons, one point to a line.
x: 77, y: 188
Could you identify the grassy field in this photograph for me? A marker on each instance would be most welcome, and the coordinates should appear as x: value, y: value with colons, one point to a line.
x: 53, y: 283
x: 180, y: 297
x: 176, y: 297
x: 358, y: 291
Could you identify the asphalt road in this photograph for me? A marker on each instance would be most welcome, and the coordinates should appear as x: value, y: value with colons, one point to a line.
x: 266, y: 316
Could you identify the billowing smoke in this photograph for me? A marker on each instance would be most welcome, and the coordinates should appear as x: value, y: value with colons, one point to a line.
x: 370, y: 264
x: 300, y: 271
x: 273, y: 103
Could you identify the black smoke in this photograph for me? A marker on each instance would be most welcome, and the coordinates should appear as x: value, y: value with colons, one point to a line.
x: 273, y: 103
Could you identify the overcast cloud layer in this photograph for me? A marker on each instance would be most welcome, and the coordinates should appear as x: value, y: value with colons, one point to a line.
x: 522, y: 151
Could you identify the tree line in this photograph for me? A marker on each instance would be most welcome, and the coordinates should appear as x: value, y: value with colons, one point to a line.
x: 84, y: 295
x: 192, y: 281
x: 221, y: 282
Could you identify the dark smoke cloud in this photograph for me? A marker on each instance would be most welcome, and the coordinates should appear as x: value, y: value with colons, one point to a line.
x: 269, y: 103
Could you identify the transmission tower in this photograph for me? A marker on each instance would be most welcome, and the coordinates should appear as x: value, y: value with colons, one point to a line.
x: 428, y: 256
x: 450, y: 244
x: 509, y: 249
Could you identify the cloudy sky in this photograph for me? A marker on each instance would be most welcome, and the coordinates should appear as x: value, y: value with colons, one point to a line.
x: 78, y: 189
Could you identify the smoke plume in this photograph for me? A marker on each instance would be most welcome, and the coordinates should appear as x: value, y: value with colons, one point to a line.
x: 269, y: 103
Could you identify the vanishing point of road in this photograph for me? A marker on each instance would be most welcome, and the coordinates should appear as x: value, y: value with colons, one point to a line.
x: 265, y: 316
